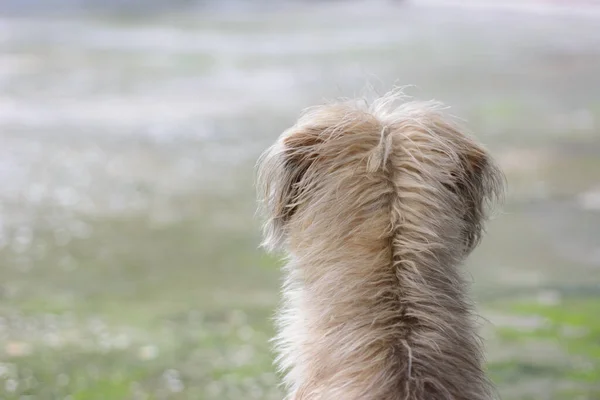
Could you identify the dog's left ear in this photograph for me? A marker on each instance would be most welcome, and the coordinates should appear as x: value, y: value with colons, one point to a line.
x: 281, y: 170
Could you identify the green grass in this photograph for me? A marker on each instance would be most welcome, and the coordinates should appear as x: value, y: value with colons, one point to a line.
x: 569, y: 330
x: 137, y: 305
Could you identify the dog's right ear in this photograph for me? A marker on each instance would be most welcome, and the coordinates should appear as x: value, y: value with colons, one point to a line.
x: 480, y: 184
x: 281, y: 170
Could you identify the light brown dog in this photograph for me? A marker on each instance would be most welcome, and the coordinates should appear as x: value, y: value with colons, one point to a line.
x: 377, y: 205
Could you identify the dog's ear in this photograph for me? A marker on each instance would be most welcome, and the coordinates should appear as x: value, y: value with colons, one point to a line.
x: 478, y: 184
x: 280, y: 180
x: 300, y: 151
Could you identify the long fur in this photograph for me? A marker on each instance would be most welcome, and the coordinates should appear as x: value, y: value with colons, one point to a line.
x: 376, y: 206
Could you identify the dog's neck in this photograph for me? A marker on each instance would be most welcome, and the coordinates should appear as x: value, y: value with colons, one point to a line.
x: 383, y: 318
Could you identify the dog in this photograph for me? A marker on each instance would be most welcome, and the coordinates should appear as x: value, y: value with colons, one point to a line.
x: 377, y: 205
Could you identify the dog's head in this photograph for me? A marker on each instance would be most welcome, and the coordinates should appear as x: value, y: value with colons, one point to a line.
x: 336, y: 153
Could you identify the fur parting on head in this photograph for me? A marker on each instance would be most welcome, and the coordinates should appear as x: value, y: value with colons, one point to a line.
x: 377, y: 205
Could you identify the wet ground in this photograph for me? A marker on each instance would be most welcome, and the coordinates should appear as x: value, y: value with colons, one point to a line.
x: 127, y: 233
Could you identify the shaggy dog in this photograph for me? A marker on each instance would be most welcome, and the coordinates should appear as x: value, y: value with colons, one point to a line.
x: 377, y: 206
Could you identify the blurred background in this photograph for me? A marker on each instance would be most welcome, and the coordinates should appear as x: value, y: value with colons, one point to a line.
x: 129, y: 129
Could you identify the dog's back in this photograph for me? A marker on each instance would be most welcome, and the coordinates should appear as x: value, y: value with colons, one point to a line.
x: 377, y: 206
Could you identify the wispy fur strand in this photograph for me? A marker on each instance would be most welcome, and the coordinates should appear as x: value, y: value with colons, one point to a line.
x: 377, y: 206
